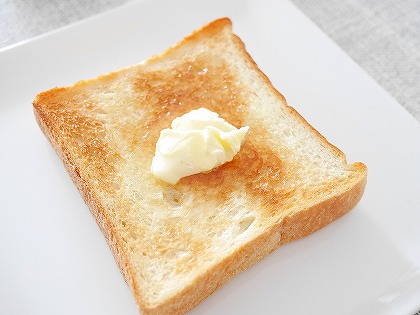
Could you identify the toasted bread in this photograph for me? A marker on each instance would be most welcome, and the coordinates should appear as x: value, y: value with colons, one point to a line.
x: 176, y: 244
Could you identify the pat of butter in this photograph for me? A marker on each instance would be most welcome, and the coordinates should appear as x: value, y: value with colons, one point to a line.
x: 197, y: 142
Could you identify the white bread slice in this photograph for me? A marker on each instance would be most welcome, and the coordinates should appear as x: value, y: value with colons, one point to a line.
x: 176, y: 244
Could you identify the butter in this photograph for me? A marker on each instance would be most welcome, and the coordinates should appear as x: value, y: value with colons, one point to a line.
x: 196, y: 142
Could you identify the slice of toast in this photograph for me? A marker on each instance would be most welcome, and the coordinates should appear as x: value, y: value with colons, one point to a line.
x: 176, y: 244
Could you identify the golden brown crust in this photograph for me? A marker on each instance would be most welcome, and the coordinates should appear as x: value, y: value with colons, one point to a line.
x: 87, y: 194
x: 306, y: 222
x: 71, y: 120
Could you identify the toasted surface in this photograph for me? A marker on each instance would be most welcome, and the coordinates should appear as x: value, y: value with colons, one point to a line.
x: 176, y: 244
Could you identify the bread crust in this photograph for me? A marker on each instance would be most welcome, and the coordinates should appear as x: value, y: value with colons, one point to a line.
x: 293, y: 225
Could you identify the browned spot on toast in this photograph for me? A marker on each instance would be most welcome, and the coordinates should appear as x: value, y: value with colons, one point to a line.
x: 190, y: 85
x: 195, y: 84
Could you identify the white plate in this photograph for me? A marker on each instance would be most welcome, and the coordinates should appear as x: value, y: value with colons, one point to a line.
x: 54, y: 259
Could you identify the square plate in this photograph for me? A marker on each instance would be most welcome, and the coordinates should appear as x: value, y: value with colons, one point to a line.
x: 54, y: 257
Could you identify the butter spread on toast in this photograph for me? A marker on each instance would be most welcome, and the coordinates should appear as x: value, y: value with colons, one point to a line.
x: 196, y: 142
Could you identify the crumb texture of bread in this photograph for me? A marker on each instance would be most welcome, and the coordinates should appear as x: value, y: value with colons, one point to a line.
x: 176, y: 244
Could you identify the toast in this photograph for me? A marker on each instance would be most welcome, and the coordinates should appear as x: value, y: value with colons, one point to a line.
x: 176, y: 244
